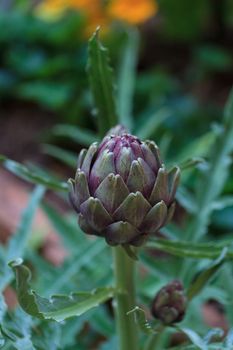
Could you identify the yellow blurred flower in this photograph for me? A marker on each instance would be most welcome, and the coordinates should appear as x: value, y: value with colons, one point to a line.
x: 132, y: 11
x: 93, y: 11
x: 51, y: 9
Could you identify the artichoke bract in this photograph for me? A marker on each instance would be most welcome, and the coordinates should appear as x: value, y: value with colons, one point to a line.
x: 169, y: 305
x: 122, y: 190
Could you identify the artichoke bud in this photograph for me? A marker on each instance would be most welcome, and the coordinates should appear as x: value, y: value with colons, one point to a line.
x: 170, y: 303
x: 121, y: 189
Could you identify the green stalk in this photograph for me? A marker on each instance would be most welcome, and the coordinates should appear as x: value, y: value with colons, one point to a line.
x: 125, y: 300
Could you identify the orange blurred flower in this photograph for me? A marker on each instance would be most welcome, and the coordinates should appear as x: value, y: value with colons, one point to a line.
x: 132, y: 11
x: 98, y: 12
x: 94, y: 12
x: 86, y: 5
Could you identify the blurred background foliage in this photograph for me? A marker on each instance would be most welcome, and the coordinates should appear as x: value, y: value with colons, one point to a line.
x: 173, y: 70
x: 172, y: 61
x: 182, y: 55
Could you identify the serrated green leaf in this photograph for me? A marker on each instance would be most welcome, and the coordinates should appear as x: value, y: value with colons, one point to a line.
x: 101, y: 82
x: 57, y: 307
x: 31, y: 176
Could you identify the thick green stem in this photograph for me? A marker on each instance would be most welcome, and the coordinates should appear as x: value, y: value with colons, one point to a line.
x: 125, y: 300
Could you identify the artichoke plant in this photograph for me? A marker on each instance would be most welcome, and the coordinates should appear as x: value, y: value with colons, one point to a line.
x: 122, y: 190
x: 170, y: 303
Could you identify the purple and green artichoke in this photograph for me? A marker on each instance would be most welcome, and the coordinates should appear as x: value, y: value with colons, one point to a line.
x: 169, y: 304
x: 121, y: 190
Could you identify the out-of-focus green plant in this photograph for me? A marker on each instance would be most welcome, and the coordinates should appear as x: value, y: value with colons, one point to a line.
x: 187, y: 251
x: 195, y: 248
x: 41, y: 61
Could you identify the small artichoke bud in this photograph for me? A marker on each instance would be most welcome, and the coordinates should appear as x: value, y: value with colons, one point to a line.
x: 169, y: 304
x: 121, y: 190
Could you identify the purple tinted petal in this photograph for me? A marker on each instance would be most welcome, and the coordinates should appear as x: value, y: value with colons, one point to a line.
x: 160, y: 189
x: 72, y: 198
x: 95, y: 214
x: 155, y: 150
x: 81, y: 157
x: 133, y: 209
x: 87, y: 162
x: 120, y: 233
x: 85, y: 227
x: 81, y: 187
x: 173, y: 181
x: 103, y: 166
x: 107, y: 144
x: 141, y: 178
x: 111, y: 192
x: 136, y: 148
x: 155, y: 218
x: 123, y: 162
x: 150, y: 158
